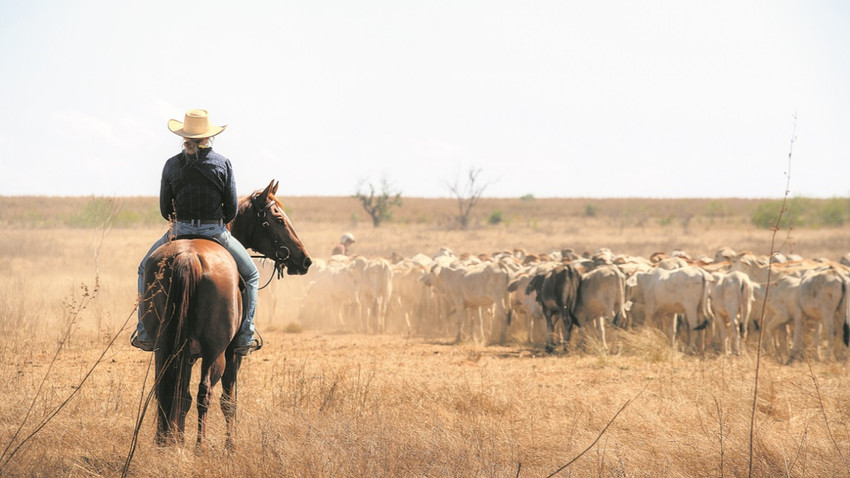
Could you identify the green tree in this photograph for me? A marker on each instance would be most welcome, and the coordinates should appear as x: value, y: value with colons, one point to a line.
x: 378, y: 203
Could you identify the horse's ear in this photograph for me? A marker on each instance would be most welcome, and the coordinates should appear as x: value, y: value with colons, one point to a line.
x: 265, y: 194
x: 276, y: 184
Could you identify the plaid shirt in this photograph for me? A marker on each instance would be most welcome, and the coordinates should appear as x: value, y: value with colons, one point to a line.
x: 199, y: 187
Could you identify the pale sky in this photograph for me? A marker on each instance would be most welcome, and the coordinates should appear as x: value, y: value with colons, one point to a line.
x: 550, y: 98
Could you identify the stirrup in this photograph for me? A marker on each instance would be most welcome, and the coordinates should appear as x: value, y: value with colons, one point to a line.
x: 247, y: 349
x: 253, y: 346
x: 146, y: 346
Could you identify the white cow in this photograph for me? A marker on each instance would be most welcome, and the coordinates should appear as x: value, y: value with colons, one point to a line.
x: 411, y: 302
x: 781, y: 310
x: 731, y: 302
x: 373, y: 281
x: 471, y: 289
x: 667, y: 292
x: 823, y: 302
x: 601, y: 300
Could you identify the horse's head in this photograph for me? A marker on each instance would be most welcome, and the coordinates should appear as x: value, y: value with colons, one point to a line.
x: 262, y: 225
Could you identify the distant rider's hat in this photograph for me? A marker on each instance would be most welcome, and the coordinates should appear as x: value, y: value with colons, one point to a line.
x: 195, y: 125
x: 349, y: 237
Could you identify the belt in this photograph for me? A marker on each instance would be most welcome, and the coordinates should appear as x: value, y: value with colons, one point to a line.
x: 199, y: 222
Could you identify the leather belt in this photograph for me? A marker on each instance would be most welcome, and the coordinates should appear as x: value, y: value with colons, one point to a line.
x: 201, y: 222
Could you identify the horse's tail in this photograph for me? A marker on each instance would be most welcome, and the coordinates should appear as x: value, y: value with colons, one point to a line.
x: 185, y: 273
x: 180, y: 280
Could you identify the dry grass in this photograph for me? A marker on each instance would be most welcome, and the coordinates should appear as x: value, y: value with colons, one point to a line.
x: 318, y: 403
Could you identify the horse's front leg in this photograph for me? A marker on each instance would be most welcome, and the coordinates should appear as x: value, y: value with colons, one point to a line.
x: 211, y: 372
x: 228, y: 396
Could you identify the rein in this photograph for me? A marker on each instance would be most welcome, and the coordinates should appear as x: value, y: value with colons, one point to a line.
x: 278, y: 268
x: 281, y: 252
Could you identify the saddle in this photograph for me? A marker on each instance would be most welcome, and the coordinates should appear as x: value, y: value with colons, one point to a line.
x: 196, y: 236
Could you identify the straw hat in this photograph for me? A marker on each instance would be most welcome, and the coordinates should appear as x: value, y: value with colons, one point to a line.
x: 195, y: 125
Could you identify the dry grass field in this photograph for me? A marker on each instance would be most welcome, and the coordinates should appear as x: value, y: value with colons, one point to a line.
x: 336, y: 403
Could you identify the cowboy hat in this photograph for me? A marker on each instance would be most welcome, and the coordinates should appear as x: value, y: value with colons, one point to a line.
x: 195, y: 125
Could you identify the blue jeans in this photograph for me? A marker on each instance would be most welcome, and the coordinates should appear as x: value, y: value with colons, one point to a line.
x: 246, y: 267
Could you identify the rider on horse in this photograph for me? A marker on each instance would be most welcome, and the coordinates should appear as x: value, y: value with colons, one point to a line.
x: 198, y: 193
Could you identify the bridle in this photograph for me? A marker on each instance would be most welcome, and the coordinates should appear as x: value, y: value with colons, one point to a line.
x: 281, y: 252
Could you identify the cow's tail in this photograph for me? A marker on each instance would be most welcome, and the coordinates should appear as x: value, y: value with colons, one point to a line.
x: 514, y: 283
x: 703, y: 305
x: 746, y: 304
x: 620, y: 313
x: 534, y: 284
x: 571, y: 294
x: 844, y: 308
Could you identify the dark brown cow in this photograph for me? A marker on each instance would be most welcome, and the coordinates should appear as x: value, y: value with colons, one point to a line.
x: 557, y: 291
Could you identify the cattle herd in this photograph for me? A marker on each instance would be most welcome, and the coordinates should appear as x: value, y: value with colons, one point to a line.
x: 703, y: 304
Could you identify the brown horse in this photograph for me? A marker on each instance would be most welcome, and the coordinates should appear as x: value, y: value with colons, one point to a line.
x: 194, y: 308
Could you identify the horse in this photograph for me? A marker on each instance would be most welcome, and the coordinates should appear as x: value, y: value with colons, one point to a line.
x: 193, y: 307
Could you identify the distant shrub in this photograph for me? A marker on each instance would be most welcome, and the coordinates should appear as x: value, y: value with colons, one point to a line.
x: 834, y: 212
x: 716, y: 209
x: 802, y: 212
x: 527, y: 197
x: 767, y: 213
x: 293, y: 328
x: 495, y: 218
x: 590, y: 210
x: 97, y: 212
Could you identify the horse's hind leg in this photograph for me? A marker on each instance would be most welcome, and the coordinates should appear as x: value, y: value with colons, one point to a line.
x: 184, y: 400
x: 211, y: 371
x: 228, y: 395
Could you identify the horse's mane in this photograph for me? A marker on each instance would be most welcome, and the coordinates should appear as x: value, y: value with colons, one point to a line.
x: 247, y: 199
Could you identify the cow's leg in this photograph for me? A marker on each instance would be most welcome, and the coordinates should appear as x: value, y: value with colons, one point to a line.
x: 567, y: 323
x: 674, y: 329
x: 500, y: 321
x: 459, y: 318
x: 828, y: 320
x: 600, y: 331
x: 696, y: 330
x: 483, y: 315
x: 798, y: 337
x: 550, y: 331
x: 736, y: 337
x: 720, y: 318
